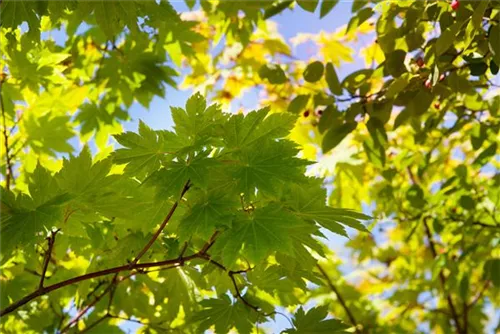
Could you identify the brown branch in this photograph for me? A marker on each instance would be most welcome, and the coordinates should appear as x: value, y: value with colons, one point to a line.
x: 485, y: 225
x: 231, y: 274
x: 339, y: 297
x: 77, y: 279
x: 442, y: 278
x: 465, y: 315
x: 51, y: 240
x: 479, y: 295
x: 95, y: 323
x: 238, y: 292
x: 201, y: 254
x: 162, y: 226
x: 114, y: 283
x: 148, y: 324
x: 9, y: 175
x: 82, y: 312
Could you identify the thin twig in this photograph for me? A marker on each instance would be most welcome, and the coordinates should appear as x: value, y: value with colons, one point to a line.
x: 339, y: 297
x: 231, y: 274
x: 9, y: 174
x: 442, y: 278
x: 82, y: 312
x: 238, y: 292
x: 479, y: 295
x: 95, y: 323
x: 112, y: 292
x: 162, y: 226
x: 51, y: 240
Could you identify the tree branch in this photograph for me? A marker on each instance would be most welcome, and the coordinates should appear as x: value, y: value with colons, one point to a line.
x: 162, y: 226
x: 105, y: 272
x: 95, y: 323
x: 231, y: 274
x: 82, y: 312
x: 9, y: 175
x: 479, y: 295
x: 339, y: 297
x: 51, y: 240
x: 171, y: 263
x: 238, y: 292
x: 442, y: 278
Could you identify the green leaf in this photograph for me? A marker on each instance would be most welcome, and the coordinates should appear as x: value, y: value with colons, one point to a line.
x: 257, y: 126
x: 313, y: 321
x: 492, y: 271
x: 298, y: 103
x: 486, y: 154
x: 261, y: 233
x: 198, y: 124
x: 24, y: 216
x: 224, y: 315
x: 274, y: 73
x: 395, y: 63
x: 308, y: 5
x: 467, y: 202
x: 276, y: 8
x: 48, y: 134
x: 493, y: 38
x: 190, y: 3
x: 445, y: 40
x: 210, y: 211
x: 171, y: 179
x: 143, y: 152
x: 314, y: 71
x: 493, y: 67
x: 13, y: 13
x: 268, y: 165
x: 397, y: 85
x: 478, y: 69
x: 330, y: 117
x: 335, y: 135
x: 308, y: 203
x: 415, y: 195
x: 326, y: 7
x: 332, y: 80
x: 357, y: 5
x: 80, y: 177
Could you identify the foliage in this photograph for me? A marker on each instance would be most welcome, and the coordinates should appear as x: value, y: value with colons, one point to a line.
x: 213, y: 225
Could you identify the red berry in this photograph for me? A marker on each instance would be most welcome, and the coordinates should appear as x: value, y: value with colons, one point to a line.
x: 455, y: 4
x: 320, y: 112
x: 428, y: 83
x: 437, y: 105
x: 306, y: 113
x: 420, y: 62
x: 441, y: 77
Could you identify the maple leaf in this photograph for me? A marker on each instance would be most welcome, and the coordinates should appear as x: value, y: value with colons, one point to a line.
x: 242, y: 131
x: 314, y: 322
x: 143, y: 152
x: 197, y: 124
x: 309, y: 203
x: 49, y: 134
x: 14, y: 13
x: 211, y: 210
x: 261, y: 233
x: 224, y: 315
x: 81, y: 177
x: 173, y: 178
x: 264, y: 166
x: 24, y: 216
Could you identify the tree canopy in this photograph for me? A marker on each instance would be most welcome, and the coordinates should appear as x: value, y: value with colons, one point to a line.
x: 230, y: 220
